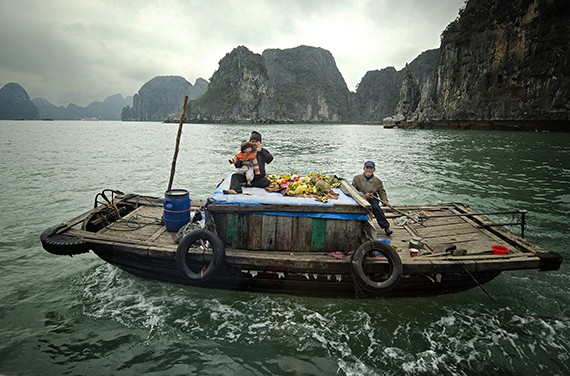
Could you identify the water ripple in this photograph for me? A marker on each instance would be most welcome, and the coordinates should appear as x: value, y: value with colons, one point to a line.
x: 61, y: 315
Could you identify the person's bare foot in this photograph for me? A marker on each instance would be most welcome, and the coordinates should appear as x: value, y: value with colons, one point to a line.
x: 229, y: 192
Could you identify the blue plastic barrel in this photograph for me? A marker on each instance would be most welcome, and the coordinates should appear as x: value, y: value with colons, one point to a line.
x: 176, y: 209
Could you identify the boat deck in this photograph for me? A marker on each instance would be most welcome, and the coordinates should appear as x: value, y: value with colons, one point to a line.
x: 473, y: 235
x: 303, y: 249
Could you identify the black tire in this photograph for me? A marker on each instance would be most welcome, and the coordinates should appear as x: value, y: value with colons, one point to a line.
x: 363, y: 280
x: 62, y: 244
x: 203, y: 239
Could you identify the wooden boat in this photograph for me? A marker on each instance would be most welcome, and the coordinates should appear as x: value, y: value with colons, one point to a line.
x: 306, y: 247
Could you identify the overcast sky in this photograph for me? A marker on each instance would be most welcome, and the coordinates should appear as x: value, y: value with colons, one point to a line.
x: 84, y: 51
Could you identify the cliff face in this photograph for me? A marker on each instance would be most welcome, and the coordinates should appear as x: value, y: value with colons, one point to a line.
x: 15, y: 104
x: 161, y: 98
x: 409, y: 95
x: 306, y: 84
x: 377, y: 94
x: 301, y: 84
x: 237, y: 89
x: 388, y: 92
x: 501, y: 61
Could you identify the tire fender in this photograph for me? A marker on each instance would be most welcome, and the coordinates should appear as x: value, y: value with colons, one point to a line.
x: 363, y: 280
x: 62, y: 244
x: 218, y: 254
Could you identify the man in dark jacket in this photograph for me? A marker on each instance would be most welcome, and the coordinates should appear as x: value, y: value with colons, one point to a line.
x: 259, y: 180
x: 372, y: 189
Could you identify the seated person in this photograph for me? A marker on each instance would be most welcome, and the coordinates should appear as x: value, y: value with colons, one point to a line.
x: 259, y: 180
x: 249, y: 162
x: 372, y: 189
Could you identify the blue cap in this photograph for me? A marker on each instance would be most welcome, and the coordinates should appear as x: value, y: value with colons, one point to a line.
x: 369, y: 164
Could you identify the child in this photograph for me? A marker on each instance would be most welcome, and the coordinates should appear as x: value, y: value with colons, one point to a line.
x: 248, y: 158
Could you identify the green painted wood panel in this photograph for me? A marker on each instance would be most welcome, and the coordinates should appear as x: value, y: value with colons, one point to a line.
x: 319, y: 230
x: 232, y: 228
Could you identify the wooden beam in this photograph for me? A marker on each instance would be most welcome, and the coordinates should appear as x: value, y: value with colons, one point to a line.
x: 224, y: 208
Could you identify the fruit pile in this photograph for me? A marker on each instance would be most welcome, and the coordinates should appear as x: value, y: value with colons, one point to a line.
x: 312, y: 185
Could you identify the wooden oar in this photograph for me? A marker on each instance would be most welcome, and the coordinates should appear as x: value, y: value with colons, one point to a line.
x: 398, y: 211
x: 173, y: 167
x: 352, y: 192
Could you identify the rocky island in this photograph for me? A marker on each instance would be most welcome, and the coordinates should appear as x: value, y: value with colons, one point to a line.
x: 500, y: 65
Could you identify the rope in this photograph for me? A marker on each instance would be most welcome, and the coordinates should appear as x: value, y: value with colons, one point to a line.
x: 477, y: 282
x: 114, y: 207
x: 134, y: 223
x: 518, y: 313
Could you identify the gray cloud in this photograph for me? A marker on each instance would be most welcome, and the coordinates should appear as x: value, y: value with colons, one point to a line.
x: 80, y: 52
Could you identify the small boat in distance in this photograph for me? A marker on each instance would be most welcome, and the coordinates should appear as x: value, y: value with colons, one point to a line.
x: 267, y: 242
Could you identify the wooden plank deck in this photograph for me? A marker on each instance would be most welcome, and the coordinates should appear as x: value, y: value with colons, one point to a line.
x: 142, y: 233
x: 144, y: 225
x: 462, y: 231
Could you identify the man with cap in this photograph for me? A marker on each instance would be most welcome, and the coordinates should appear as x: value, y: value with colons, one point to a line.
x: 259, y: 179
x: 372, y: 189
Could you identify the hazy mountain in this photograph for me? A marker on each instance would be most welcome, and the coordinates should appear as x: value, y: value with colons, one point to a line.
x: 499, y: 61
x: 162, y: 97
x: 15, y: 103
x: 109, y: 109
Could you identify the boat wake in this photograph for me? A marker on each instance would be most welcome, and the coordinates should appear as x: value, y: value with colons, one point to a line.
x: 458, y: 337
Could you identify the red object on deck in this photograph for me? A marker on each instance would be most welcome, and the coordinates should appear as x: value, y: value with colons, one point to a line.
x: 499, y: 249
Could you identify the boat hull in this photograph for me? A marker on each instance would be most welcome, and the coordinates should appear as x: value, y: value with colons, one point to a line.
x: 309, y: 283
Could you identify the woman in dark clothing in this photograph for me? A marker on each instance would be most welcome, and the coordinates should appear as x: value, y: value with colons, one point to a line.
x: 259, y: 180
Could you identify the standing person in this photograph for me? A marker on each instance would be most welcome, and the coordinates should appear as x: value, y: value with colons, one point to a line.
x: 259, y: 179
x: 372, y: 189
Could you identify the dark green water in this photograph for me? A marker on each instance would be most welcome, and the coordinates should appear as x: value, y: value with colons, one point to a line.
x: 80, y: 316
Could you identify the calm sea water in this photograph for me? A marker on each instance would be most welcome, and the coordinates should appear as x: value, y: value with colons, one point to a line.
x: 80, y: 316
